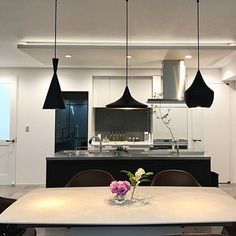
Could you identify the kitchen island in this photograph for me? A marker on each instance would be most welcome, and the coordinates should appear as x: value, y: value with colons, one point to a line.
x: 63, y: 166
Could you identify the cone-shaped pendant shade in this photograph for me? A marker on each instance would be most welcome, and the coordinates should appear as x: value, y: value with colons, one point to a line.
x: 126, y: 102
x: 54, y: 98
x: 199, y: 94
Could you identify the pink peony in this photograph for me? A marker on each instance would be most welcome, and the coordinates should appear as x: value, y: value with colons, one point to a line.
x: 120, y: 187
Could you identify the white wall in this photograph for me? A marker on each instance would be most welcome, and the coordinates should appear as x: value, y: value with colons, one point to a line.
x: 33, y: 147
x: 233, y: 133
x: 229, y: 71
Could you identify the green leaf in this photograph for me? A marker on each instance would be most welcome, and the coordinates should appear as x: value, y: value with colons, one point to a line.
x: 145, y: 180
x: 145, y: 177
x: 132, y: 181
x: 149, y: 173
x: 125, y: 171
x: 131, y: 177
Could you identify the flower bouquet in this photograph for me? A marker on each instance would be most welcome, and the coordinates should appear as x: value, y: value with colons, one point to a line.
x: 137, y: 178
x: 120, y: 188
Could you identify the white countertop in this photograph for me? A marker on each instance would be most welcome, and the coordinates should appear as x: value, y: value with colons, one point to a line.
x: 92, y: 206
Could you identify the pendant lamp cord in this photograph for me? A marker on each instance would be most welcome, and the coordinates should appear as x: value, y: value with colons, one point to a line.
x: 127, y: 44
x: 55, y: 44
x: 198, y: 36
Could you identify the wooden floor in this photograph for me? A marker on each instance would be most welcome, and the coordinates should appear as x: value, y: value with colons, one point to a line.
x: 20, y: 190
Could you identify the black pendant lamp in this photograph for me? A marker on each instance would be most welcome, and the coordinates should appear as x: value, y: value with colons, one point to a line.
x: 54, y: 98
x: 198, y: 94
x: 126, y: 101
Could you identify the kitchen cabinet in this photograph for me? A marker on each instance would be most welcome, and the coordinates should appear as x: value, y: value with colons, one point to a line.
x: 101, y: 88
x: 141, y: 88
x: 116, y: 88
x: 107, y: 89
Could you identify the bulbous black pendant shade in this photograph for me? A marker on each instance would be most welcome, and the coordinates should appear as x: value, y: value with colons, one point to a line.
x: 54, y: 98
x: 126, y: 102
x: 199, y: 94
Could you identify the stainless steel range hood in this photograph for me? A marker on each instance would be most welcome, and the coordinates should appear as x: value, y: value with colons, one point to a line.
x: 172, y: 85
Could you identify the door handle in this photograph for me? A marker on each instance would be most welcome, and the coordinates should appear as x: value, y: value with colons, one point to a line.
x: 197, y: 140
x: 10, y: 140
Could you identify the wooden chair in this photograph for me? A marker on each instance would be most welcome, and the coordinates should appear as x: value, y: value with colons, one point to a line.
x: 174, y: 177
x: 229, y: 230
x: 89, y: 178
x: 10, y: 230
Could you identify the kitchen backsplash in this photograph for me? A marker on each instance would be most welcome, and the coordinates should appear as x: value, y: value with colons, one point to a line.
x: 135, y: 121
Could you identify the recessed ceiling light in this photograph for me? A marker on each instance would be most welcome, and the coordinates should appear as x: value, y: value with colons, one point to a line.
x: 188, y: 56
x: 68, y: 56
x: 129, y: 56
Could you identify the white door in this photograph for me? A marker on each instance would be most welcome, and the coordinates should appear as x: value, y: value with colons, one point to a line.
x: 197, y: 128
x: 217, y: 132
x: 8, y: 88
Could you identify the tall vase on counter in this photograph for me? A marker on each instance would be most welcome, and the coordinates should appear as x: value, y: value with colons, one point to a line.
x: 175, y: 147
x: 157, y: 111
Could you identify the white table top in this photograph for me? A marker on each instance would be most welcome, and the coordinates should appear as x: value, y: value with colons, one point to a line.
x: 92, y: 206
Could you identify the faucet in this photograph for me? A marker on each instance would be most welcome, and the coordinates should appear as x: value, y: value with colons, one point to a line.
x: 100, y: 142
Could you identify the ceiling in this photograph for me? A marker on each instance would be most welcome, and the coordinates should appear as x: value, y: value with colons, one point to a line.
x: 93, y: 32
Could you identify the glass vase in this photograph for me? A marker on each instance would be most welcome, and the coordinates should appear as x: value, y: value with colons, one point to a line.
x: 133, y: 191
x: 119, y: 199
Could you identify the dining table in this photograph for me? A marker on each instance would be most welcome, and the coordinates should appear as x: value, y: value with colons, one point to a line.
x: 92, y: 210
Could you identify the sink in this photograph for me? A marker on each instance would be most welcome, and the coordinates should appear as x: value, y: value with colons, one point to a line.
x: 83, y: 152
x: 69, y: 152
x: 89, y: 153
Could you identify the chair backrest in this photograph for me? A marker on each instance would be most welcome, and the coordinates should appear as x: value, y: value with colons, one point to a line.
x: 229, y: 230
x: 174, y: 178
x: 5, y: 203
x: 10, y: 229
x: 30, y: 232
x: 90, y: 178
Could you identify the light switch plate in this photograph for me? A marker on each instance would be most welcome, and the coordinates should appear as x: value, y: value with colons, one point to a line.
x: 27, y: 128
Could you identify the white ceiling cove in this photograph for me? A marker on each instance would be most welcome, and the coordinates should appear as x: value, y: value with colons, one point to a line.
x: 93, y: 32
